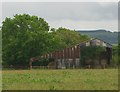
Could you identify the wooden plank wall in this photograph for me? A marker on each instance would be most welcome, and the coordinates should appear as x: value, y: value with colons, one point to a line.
x: 66, y: 54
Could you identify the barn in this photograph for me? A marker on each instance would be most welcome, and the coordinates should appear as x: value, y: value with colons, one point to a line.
x: 71, y: 57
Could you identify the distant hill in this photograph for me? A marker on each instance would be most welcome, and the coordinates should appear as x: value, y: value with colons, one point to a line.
x: 110, y: 37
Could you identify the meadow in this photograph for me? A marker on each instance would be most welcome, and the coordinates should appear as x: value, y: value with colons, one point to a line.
x: 68, y: 79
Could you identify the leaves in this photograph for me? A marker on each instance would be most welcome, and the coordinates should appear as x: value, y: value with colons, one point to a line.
x: 91, y: 53
x: 26, y: 36
x: 23, y: 37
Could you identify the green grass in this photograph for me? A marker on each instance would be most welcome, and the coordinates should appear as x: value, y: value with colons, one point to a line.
x: 77, y: 79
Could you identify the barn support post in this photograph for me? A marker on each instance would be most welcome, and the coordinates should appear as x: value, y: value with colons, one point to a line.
x: 56, y: 59
x: 30, y: 65
x: 78, y: 56
x: 72, y: 56
x: 109, y: 55
x: 65, y: 57
x: 61, y: 58
x: 69, y: 57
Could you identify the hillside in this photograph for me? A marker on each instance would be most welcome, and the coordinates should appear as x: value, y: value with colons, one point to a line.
x: 110, y: 37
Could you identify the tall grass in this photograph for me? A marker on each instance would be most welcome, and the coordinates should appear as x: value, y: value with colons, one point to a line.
x: 77, y: 79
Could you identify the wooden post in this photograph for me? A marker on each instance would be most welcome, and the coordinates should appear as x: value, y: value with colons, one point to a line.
x: 56, y: 59
x: 74, y: 56
x: 30, y: 64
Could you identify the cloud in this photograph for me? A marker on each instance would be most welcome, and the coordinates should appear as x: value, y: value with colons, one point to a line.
x: 73, y: 11
x: 60, y: 1
x: 108, y: 25
x: 67, y: 11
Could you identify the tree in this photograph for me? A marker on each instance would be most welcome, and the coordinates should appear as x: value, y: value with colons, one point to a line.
x: 52, y: 29
x: 0, y: 46
x: 69, y: 37
x: 24, y: 36
x: 90, y: 53
x: 115, y: 55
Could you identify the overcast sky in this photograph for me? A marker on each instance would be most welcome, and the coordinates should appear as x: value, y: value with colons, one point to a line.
x: 80, y: 15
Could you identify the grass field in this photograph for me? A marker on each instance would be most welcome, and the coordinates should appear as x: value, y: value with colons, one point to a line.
x: 77, y: 79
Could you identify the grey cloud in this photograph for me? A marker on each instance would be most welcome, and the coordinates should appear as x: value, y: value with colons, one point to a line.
x: 90, y: 11
x: 77, y: 15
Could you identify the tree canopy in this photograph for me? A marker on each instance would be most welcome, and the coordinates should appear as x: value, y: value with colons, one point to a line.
x: 90, y: 53
x: 70, y: 37
x: 116, y: 54
x: 25, y: 36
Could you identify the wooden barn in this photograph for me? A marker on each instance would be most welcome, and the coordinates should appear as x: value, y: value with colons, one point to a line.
x: 71, y: 57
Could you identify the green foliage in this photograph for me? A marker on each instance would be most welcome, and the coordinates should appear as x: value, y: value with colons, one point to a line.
x: 52, y: 30
x: 0, y: 46
x: 68, y: 37
x: 26, y: 36
x: 119, y: 49
x: 115, y: 55
x: 42, y: 62
x: 90, y: 53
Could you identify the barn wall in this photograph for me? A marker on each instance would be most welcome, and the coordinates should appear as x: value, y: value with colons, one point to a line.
x: 70, y: 57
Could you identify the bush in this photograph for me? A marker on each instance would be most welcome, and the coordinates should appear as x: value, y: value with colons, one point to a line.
x: 115, y: 55
x: 90, y: 53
